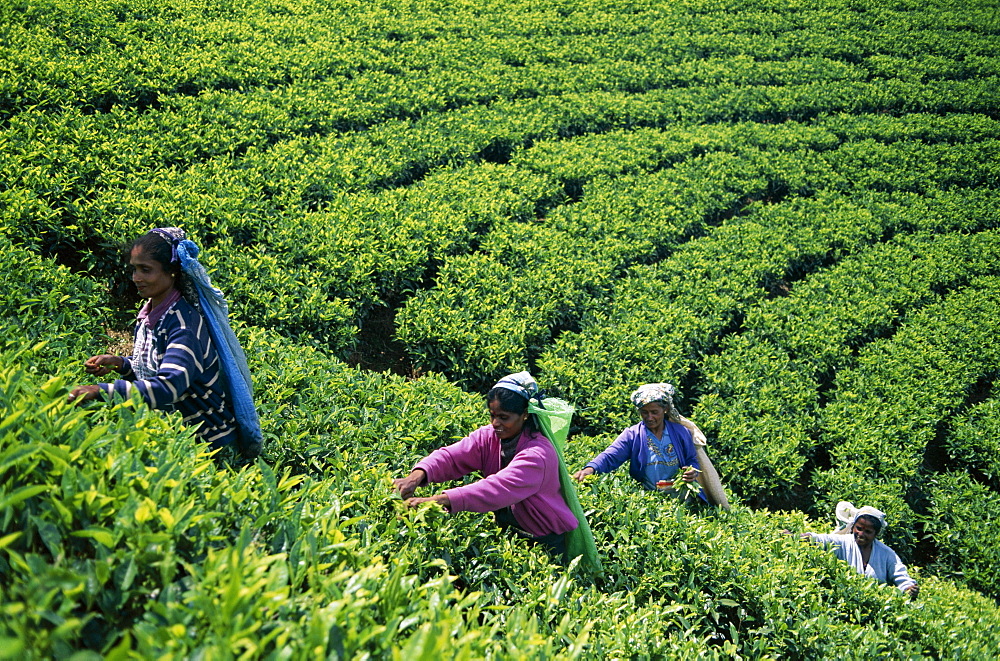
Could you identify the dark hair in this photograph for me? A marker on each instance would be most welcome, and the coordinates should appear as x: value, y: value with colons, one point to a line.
x: 159, y: 249
x: 511, y: 402
x: 872, y: 520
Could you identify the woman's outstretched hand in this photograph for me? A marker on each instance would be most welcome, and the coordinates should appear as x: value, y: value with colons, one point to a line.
x: 580, y: 474
x: 82, y: 394
x: 103, y: 364
x: 441, y: 499
x: 405, y: 486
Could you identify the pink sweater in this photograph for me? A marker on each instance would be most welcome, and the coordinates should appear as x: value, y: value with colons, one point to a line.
x: 529, y: 485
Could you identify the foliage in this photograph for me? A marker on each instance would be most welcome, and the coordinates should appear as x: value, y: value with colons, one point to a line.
x: 788, y: 210
x: 960, y: 520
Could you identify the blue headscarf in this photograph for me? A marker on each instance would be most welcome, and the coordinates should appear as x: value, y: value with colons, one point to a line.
x: 235, y: 371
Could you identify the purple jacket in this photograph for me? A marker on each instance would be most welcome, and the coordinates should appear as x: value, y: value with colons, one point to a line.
x: 529, y: 485
x: 631, y: 445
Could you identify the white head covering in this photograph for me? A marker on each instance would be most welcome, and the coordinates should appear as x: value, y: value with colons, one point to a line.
x: 662, y: 393
x: 848, y: 514
x: 522, y: 383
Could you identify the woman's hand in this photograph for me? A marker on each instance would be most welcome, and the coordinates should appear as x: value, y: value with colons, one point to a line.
x: 441, y: 499
x: 103, y: 364
x: 690, y: 475
x: 82, y: 394
x: 580, y: 474
x: 407, y: 485
x: 913, y: 591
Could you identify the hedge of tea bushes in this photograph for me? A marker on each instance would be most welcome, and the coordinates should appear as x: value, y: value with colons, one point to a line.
x: 491, y: 311
x: 436, y: 325
x: 575, y: 162
x: 971, y: 441
x: 119, y: 538
x: 317, y: 409
x: 219, y: 145
x: 737, y: 163
x: 768, y: 383
x: 619, y: 221
x: 880, y: 428
x: 390, y: 58
x: 680, y: 308
x: 315, y: 274
x: 44, y: 306
x: 881, y: 425
x: 961, y: 514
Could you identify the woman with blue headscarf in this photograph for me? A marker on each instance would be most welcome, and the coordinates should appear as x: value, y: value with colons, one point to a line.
x: 175, y: 363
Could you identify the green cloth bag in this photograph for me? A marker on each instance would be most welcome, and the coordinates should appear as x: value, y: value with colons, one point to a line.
x: 554, y: 421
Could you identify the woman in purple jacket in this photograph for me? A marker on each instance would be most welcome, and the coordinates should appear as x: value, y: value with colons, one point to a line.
x: 519, y: 465
x: 656, y: 448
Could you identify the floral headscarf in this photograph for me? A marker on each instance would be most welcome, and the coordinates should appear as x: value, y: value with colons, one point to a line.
x: 173, y: 236
x: 662, y: 393
x: 848, y: 515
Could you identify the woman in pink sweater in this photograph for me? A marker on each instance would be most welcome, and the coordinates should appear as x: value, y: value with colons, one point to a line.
x: 519, y: 465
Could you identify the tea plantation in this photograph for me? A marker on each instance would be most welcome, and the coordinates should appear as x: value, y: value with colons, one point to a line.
x: 789, y: 210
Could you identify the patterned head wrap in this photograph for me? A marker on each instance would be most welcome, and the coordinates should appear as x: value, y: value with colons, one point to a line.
x: 661, y: 393
x: 848, y: 515
x: 173, y: 236
x: 523, y: 384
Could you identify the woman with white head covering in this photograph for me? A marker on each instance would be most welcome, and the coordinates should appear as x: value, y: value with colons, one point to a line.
x: 660, y: 445
x: 855, y: 543
x: 519, y: 465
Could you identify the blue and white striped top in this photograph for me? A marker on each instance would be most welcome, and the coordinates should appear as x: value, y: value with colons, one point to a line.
x: 175, y: 367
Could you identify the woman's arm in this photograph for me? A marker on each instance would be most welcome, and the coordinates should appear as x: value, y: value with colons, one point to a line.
x: 457, y: 460
x: 900, y: 577
x: 104, y: 364
x: 687, y: 454
x: 520, y: 479
x: 617, y: 454
x: 184, y: 361
x: 98, y: 366
x: 441, y: 499
x: 826, y: 539
x: 407, y: 485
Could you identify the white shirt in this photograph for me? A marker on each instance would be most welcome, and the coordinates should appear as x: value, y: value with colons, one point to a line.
x: 883, y: 565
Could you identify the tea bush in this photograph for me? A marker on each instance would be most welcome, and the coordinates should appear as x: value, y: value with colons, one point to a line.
x: 118, y: 536
x: 879, y: 450
x: 44, y: 306
x: 971, y: 441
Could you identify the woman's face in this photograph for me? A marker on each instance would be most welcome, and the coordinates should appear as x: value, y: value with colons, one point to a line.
x: 652, y: 415
x: 507, y: 425
x: 149, y: 276
x: 864, y: 533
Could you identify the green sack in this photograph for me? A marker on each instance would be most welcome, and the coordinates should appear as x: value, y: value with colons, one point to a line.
x: 554, y: 421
